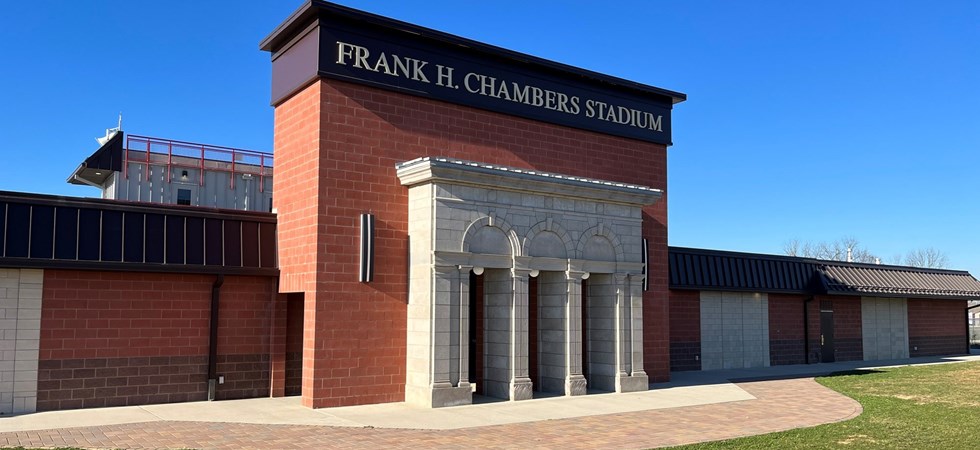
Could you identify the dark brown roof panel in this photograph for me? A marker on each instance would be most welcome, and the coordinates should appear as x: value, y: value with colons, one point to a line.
x: 702, y: 269
x: 715, y: 270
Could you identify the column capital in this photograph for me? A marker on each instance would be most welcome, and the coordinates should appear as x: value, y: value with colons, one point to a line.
x: 521, y: 272
x: 445, y: 269
x: 576, y: 275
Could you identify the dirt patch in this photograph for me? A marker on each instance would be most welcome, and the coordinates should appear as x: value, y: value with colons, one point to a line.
x: 857, y: 439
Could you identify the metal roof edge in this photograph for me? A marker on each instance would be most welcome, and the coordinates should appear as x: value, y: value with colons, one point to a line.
x: 154, y: 208
x: 117, y: 266
x: 911, y: 295
x: 824, y: 262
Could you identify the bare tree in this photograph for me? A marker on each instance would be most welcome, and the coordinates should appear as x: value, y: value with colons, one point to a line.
x: 792, y: 247
x: 843, y: 249
x: 926, y: 257
x: 849, y: 248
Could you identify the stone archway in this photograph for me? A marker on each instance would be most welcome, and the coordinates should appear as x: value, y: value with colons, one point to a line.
x: 512, y: 224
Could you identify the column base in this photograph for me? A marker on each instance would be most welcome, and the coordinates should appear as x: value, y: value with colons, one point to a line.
x: 439, y: 396
x: 576, y: 385
x: 635, y: 383
x: 521, y: 389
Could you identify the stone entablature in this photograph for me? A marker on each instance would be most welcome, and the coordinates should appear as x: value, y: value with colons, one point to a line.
x: 519, y: 223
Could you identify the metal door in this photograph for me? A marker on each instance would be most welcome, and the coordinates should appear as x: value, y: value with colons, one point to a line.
x: 826, y: 336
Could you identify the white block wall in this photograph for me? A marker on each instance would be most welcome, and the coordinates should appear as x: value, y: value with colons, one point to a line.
x: 884, y: 328
x: 552, y: 295
x: 20, y: 334
x: 601, y: 332
x: 420, y: 309
x: 734, y: 330
x: 456, y: 207
x: 498, y: 291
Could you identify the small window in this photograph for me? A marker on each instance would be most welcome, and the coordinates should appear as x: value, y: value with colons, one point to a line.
x: 270, y: 203
x: 183, y: 196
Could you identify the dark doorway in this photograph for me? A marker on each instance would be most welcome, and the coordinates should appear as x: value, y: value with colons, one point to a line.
x: 826, y: 336
x: 294, y: 344
x: 532, y: 333
x: 585, y: 330
x: 476, y: 331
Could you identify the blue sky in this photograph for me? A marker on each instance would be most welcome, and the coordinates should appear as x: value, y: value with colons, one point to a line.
x: 804, y: 120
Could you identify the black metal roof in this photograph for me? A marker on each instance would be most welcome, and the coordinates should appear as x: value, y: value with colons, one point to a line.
x: 97, y: 167
x: 54, y: 232
x: 703, y: 269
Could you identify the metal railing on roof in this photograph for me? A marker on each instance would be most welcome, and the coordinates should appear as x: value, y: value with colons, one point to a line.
x: 231, y: 160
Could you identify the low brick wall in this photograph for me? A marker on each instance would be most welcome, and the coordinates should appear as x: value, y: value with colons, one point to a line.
x: 786, y: 344
x: 937, y: 327
x: 124, y: 338
x: 685, y: 330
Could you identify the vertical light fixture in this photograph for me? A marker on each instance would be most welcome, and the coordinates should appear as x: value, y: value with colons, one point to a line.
x: 366, y: 273
x: 646, y: 266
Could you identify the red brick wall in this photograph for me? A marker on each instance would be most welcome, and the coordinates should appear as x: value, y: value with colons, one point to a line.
x: 786, y: 344
x: 936, y: 327
x: 296, y: 187
x: 685, y: 330
x: 123, y: 338
x: 813, y: 319
x: 848, y: 341
x: 336, y: 148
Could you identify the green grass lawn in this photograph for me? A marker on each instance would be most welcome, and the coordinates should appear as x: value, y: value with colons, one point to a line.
x: 933, y: 407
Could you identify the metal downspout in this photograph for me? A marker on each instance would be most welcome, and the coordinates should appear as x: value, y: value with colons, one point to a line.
x: 213, y: 338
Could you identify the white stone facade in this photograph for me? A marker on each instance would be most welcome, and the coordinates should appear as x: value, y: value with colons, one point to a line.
x: 20, y: 335
x: 512, y: 224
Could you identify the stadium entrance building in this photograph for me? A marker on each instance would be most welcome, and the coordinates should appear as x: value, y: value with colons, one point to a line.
x: 450, y: 219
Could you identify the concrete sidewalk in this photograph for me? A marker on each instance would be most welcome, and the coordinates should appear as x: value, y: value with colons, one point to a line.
x: 288, y: 410
x: 686, y: 389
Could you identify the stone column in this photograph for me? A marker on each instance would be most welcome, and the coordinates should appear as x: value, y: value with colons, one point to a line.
x: 446, y: 347
x: 628, y: 333
x: 635, y: 283
x: 575, y: 382
x: 446, y: 285
x: 521, y: 387
x: 463, y: 381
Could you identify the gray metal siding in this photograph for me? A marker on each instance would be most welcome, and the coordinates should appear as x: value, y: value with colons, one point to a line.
x: 216, y: 191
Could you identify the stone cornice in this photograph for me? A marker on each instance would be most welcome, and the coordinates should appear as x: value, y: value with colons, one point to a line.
x: 455, y: 171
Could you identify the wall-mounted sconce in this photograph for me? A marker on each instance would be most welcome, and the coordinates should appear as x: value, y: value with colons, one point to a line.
x: 478, y: 271
x: 646, y: 266
x: 183, y: 175
x: 366, y: 274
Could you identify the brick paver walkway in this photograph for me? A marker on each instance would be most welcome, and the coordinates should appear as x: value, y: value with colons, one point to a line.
x: 780, y: 405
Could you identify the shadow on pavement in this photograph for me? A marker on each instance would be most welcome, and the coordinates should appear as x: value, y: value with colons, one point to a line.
x: 700, y: 378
